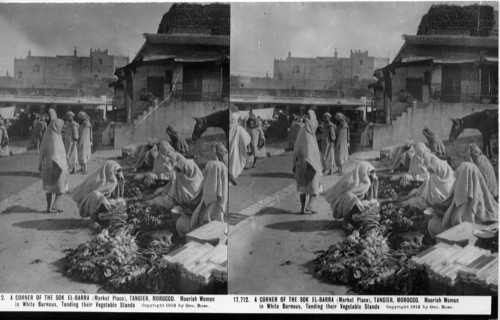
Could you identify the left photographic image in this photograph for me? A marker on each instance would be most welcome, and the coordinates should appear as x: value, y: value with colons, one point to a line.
x: 114, y: 120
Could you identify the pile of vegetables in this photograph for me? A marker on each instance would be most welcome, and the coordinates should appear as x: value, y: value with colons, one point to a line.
x: 375, y: 258
x: 390, y: 190
x: 120, y: 260
x: 400, y: 218
x: 368, y: 262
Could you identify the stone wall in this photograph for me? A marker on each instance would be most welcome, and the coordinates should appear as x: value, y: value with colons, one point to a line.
x: 435, y: 116
x: 178, y: 114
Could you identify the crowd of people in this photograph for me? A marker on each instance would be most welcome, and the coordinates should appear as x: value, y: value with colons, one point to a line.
x: 469, y: 193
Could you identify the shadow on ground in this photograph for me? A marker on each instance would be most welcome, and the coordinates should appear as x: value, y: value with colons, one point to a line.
x: 21, y: 174
x: 306, y: 225
x: 271, y: 175
x: 53, y: 224
x: 22, y: 209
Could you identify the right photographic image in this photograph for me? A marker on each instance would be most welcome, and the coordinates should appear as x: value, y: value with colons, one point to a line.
x: 363, y: 149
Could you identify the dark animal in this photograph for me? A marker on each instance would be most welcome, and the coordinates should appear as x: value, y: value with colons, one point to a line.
x: 485, y: 121
x: 219, y: 119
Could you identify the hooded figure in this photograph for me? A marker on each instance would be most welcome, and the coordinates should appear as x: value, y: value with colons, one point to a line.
x: 162, y: 166
x: 178, y: 142
x: 469, y: 200
x: 342, y: 141
x: 328, y: 144
x: 440, y: 177
x: 92, y: 195
x: 53, y: 164
x: 108, y: 135
x: 185, y: 181
x: 39, y: 127
x: 71, y: 137
x: 294, y: 131
x: 367, y: 135
x: 484, y: 165
x: 4, y: 140
x: 436, y: 145
x: 239, y: 139
x: 307, y: 166
x: 221, y: 153
x: 212, y: 199
x: 147, y: 156
x: 258, y: 140
x: 85, y: 140
x: 359, y: 184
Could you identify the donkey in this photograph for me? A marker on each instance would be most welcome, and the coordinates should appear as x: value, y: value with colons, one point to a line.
x: 218, y: 119
x: 485, y: 121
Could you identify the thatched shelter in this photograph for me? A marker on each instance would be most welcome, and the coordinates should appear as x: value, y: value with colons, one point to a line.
x: 473, y: 20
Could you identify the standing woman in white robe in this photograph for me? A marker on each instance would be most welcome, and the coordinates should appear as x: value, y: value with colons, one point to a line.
x: 71, y: 137
x: 342, y: 143
x: 307, y: 168
x: 85, y: 140
x: 239, y: 139
x: 328, y: 144
x: 53, y: 164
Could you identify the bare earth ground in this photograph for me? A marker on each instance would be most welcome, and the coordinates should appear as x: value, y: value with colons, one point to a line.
x: 32, y: 242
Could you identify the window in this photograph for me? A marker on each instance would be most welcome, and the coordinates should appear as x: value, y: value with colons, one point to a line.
x: 296, y: 69
x: 280, y: 76
x: 20, y: 75
x: 100, y: 61
x: 360, y: 62
x: 36, y: 68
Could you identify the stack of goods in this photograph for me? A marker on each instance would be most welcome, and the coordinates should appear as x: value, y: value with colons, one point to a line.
x: 449, y: 264
x: 197, y: 262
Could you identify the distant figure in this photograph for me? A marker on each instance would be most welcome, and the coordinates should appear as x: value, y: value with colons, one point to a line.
x: 108, y: 135
x: 178, y: 142
x: 258, y: 140
x: 282, y: 125
x: 485, y: 167
x: 342, y: 143
x: 39, y: 127
x: 84, y: 140
x: 71, y: 137
x: 328, y: 144
x: 4, y: 140
x: 296, y: 125
x: 367, y: 136
x: 53, y: 165
x: 24, y: 121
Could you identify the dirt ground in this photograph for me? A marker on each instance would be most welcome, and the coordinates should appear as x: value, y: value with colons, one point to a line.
x: 32, y: 242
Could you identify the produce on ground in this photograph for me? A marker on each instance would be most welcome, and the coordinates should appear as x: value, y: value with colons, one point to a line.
x: 375, y: 257
x: 122, y: 264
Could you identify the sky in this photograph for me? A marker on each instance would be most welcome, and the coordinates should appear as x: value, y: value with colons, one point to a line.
x: 261, y: 32
x: 55, y: 29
